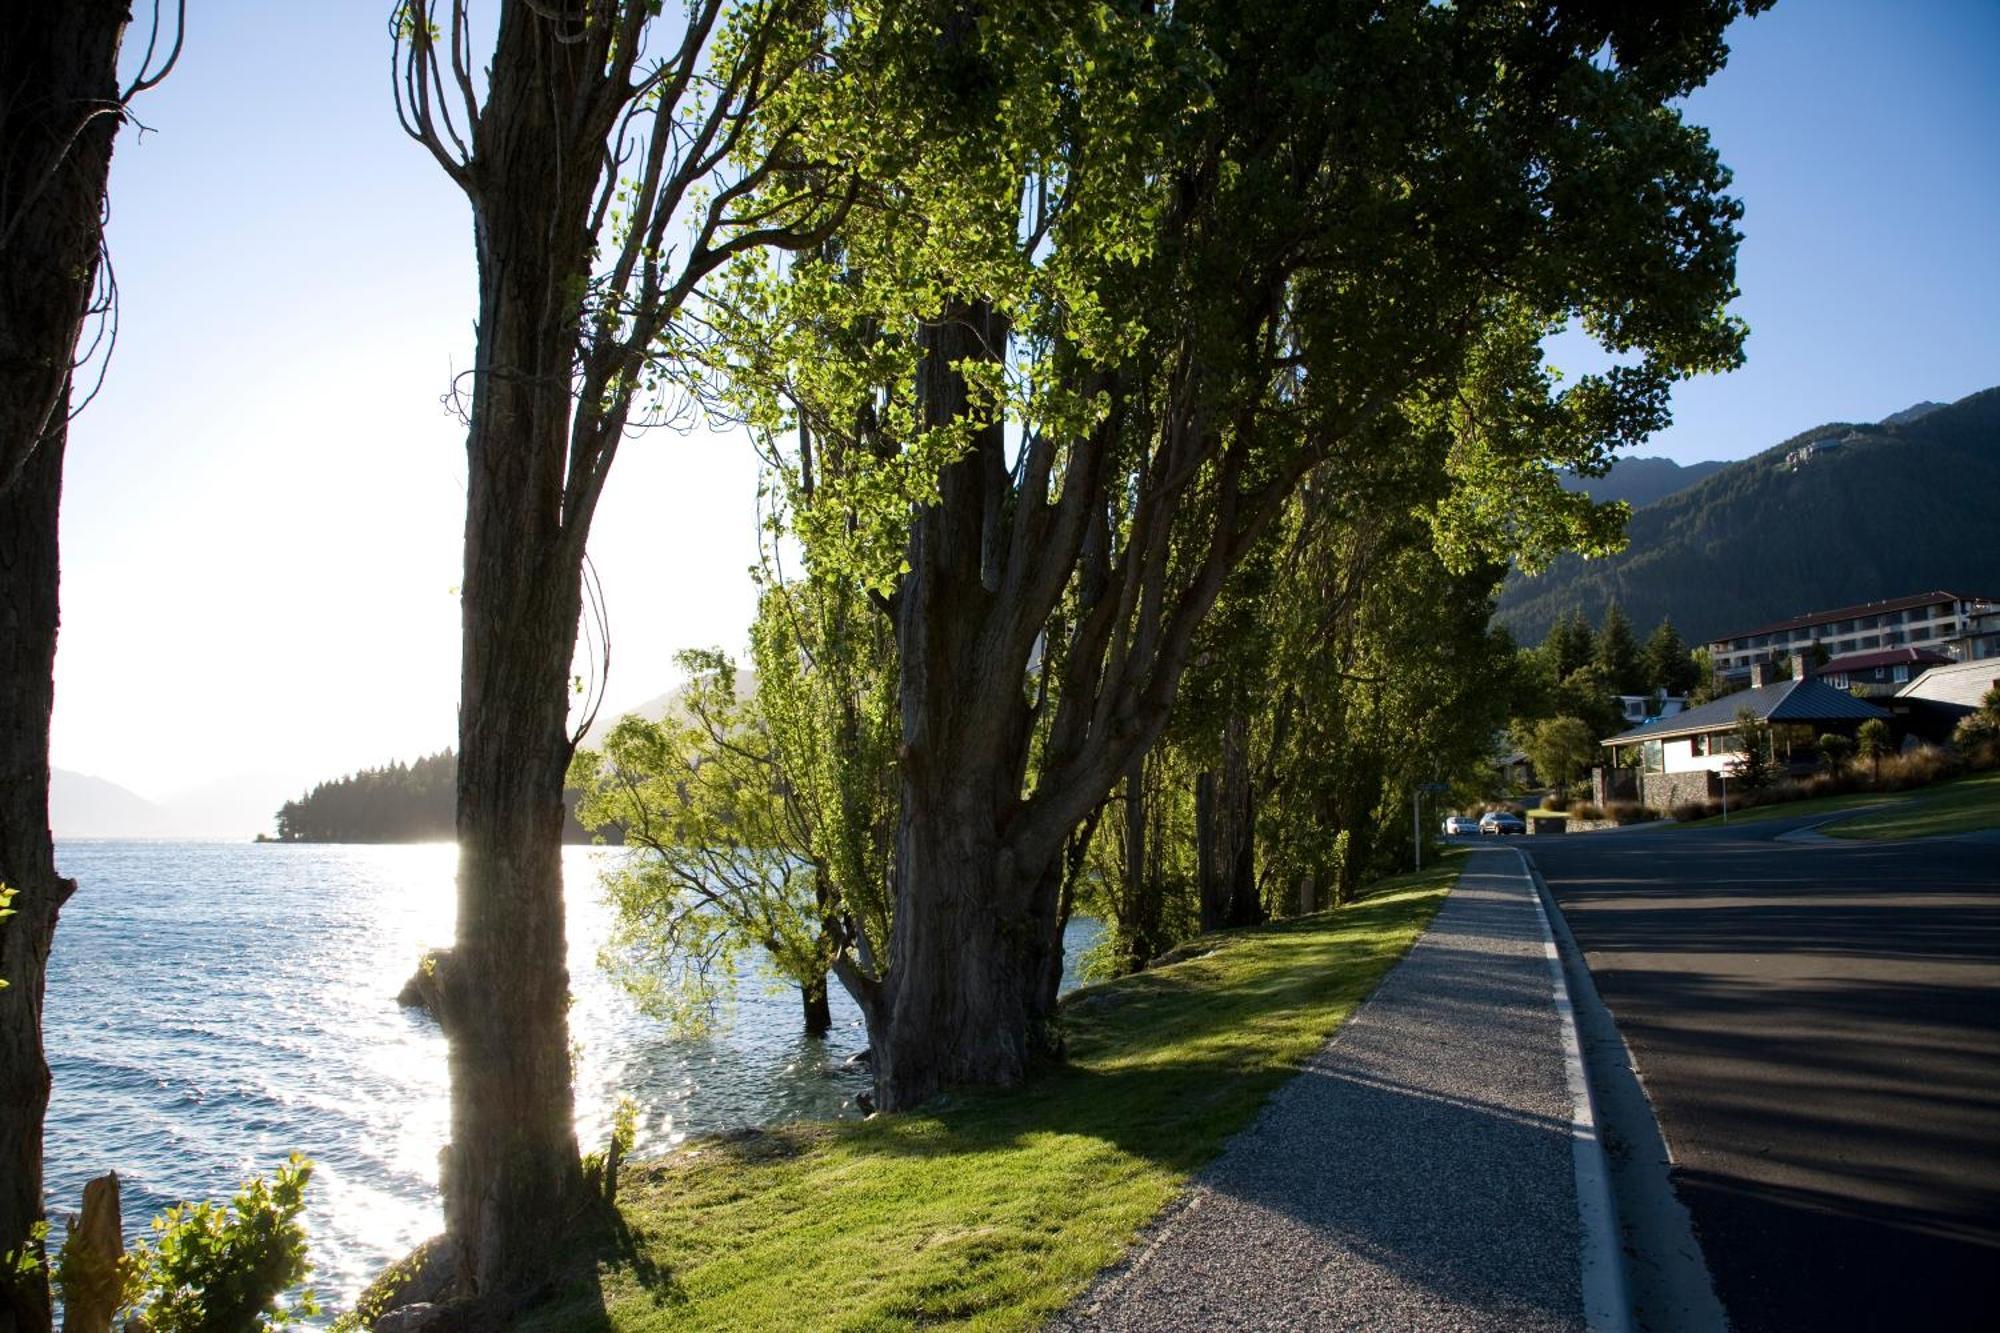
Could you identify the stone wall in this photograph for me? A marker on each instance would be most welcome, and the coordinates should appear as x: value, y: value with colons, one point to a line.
x: 1613, y: 784
x: 1662, y: 790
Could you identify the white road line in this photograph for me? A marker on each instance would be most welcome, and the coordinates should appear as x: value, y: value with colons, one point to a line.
x: 1607, y: 1308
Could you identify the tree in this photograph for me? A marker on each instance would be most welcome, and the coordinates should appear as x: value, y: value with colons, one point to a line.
x: 1616, y: 654
x: 606, y: 184
x: 1754, y: 768
x: 60, y: 107
x: 1569, y: 646
x: 761, y: 821
x: 1186, y: 280
x: 1562, y: 748
x: 1871, y: 741
x: 1666, y: 662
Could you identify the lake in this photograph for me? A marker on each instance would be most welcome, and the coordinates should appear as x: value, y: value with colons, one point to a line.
x: 215, y: 1006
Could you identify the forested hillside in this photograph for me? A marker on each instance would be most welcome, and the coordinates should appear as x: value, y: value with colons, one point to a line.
x: 396, y: 803
x: 1903, y: 506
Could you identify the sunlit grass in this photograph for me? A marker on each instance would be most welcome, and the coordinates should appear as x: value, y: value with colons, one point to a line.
x: 1962, y: 806
x: 1791, y: 809
x: 994, y: 1210
x: 1958, y: 806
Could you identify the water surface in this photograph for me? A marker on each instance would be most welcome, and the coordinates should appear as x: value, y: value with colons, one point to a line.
x: 213, y: 1007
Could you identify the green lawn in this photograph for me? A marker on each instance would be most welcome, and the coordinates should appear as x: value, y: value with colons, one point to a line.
x: 1788, y: 809
x: 1960, y: 806
x: 994, y: 1210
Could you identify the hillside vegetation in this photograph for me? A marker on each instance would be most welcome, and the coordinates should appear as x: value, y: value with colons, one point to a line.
x: 1898, y: 507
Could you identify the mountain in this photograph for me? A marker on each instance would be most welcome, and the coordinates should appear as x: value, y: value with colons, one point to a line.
x: 1900, y: 506
x: 1911, y: 413
x: 81, y: 806
x: 1641, y: 481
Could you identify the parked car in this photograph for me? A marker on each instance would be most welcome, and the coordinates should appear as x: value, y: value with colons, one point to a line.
x: 1455, y: 825
x: 1502, y: 822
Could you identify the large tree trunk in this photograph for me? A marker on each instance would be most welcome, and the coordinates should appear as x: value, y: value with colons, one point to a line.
x: 963, y: 968
x: 1238, y: 871
x: 27, y: 857
x: 963, y: 995
x: 512, y: 1174
x: 1211, y: 888
x: 58, y: 115
x: 1141, y: 907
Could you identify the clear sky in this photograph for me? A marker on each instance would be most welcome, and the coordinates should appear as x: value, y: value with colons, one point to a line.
x: 262, y: 511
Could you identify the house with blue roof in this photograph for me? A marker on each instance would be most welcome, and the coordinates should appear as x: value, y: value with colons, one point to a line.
x: 1685, y: 757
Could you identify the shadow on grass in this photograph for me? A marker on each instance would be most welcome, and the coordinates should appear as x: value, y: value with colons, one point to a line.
x: 1162, y: 1069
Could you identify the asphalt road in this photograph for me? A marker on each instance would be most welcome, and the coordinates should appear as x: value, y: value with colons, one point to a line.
x: 1818, y: 1027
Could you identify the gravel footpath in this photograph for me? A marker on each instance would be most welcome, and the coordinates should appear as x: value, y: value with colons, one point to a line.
x: 1416, y: 1175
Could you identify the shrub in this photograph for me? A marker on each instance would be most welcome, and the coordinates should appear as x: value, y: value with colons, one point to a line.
x: 1687, y: 812
x: 1976, y: 729
x: 1556, y: 803
x: 1630, y: 812
x: 1917, y: 768
x: 216, y: 1266
x: 1587, y: 811
x: 1835, y: 750
x: 1835, y: 782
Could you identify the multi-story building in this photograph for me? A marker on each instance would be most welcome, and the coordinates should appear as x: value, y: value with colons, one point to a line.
x: 1962, y: 626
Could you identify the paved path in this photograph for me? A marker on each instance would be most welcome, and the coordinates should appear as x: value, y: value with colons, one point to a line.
x: 1417, y: 1175
x: 1818, y: 1027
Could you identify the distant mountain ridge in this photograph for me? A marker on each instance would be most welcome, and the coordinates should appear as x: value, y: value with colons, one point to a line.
x: 82, y: 806
x: 1641, y: 481
x: 1878, y: 510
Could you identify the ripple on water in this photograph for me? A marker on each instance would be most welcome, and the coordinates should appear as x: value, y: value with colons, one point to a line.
x: 213, y: 1007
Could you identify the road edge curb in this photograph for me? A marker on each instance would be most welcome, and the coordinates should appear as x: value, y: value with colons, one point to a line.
x: 1606, y: 1292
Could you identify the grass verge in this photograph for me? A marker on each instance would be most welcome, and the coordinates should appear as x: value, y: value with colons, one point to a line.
x: 1960, y: 805
x: 995, y: 1210
x: 1815, y: 805
x: 1963, y: 805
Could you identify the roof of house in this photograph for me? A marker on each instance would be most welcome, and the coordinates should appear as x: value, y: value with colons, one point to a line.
x: 1850, y: 612
x: 1960, y: 683
x: 1884, y: 657
x: 1787, y: 701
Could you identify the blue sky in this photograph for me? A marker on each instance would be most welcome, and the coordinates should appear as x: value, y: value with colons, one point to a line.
x: 263, y: 509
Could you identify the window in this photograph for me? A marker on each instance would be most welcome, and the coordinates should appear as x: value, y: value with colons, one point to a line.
x: 1652, y: 756
x: 1899, y: 673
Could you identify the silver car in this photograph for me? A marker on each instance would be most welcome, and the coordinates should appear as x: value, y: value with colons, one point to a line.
x: 1459, y: 825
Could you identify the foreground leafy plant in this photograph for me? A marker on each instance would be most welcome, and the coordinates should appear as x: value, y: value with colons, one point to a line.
x: 216, y: 1268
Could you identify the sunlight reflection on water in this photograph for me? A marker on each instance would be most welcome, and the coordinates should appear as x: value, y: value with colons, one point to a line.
x: 213, y: 1007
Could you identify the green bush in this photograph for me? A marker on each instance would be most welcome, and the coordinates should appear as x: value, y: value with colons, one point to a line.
x: 216, y: 1268
x: 1835, y: 750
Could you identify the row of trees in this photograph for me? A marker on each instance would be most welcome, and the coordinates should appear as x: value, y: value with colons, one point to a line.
x: 1047, y: 321
x: 1076, y: 334
x: 395, y: 803
x: 1562, y: 693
